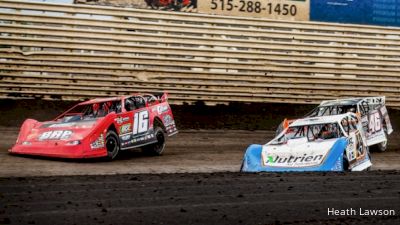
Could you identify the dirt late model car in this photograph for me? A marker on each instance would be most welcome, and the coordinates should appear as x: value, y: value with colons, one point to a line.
x: 371, y: 110
x: 328, y: 143
x: 101, y: 128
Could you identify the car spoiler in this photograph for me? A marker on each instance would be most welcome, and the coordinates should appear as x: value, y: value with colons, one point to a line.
x: 160, y: 96
x: 375, y: 100
x: 378, y: 100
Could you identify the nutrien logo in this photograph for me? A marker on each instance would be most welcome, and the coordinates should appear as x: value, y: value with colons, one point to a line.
x: 294, y: 159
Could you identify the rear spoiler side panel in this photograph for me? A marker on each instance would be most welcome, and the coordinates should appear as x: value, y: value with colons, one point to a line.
x: 376, y: 100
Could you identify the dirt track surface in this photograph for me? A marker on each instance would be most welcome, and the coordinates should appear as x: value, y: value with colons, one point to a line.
x: 170, y: 190
x: 219, y: 198
x: 191, y: 151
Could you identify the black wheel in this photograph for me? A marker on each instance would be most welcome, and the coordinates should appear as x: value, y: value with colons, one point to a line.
x: 112, y: 145
x: 380, y: 147
x: 154, y: 4
x: 158, y: 147
x: 279, y: 129
x: 345, y: 162
x: 370, y: 159
x: 241, y: 166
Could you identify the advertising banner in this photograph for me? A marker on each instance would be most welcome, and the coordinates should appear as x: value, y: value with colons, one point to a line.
x: 368, y: 12
x: 270, y: 9
x: 371, y: 12
x: 167, y: 5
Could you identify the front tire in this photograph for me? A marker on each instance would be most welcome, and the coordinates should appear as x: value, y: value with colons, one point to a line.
x: 279, y: 129
x: 112, y: 145
x: 345, y: 163
x: 241, y: 167
x: 158, y: 147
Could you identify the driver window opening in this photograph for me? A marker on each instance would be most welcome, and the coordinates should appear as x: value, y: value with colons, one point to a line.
x: 316, y: 132
x: 134, y: 103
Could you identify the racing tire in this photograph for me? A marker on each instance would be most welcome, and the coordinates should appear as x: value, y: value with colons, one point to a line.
x: 153, y: 4
x: 158, y: 147
x: 279, y: 129
x: 112, y: 145
x: 345, y: 163
x: 241, y: 166
x: 370, y: 159
x: 380, y: 147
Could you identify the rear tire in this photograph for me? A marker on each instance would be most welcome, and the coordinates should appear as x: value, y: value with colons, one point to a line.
x: 380, y: 147
x: 370, y: 159
x: 153, y: 4
x: 158, y: 147
x: 112, y: 145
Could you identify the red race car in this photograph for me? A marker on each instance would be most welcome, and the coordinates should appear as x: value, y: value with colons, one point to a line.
x: 101, y: 128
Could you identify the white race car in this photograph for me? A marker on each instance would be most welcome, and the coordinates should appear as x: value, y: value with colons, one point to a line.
x: 371, y: 110
x: 327, y: 143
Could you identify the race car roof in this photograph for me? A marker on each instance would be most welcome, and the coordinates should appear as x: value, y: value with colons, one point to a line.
x: 319, y: 120
x: 353, y: 101
x: 97, y: 100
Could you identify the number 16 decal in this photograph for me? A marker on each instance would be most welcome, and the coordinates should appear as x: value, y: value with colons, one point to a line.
x: 140, y: 122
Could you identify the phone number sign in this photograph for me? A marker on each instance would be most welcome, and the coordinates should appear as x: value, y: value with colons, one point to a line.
x: 271, y: 9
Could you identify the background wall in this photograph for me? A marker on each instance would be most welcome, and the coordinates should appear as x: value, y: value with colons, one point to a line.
x: 373, y: 12
x: 75, y: 52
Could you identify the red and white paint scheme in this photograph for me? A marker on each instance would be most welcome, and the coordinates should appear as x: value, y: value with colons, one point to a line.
x: 101, y: 127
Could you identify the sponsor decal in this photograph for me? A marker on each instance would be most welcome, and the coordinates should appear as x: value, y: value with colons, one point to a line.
x: 351, y: 148
x: 162, y: 109
x: 129, y: 139
x: 120, y: 120
x: 98, y: 143
x: 384, y: 112
x: 356, y: 150
x: 167, y: 119
x: 125, y: 137
x: 294, y: 161
x: 126, y: 128
x: 296, y: 154
x: 55, y: 135
x: 375, y: 101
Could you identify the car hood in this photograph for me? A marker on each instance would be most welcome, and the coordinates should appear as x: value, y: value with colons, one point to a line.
x: 297, y: 153
x: 61, y: 131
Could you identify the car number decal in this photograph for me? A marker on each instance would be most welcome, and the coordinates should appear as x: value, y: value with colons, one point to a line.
x: 140, y: 122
